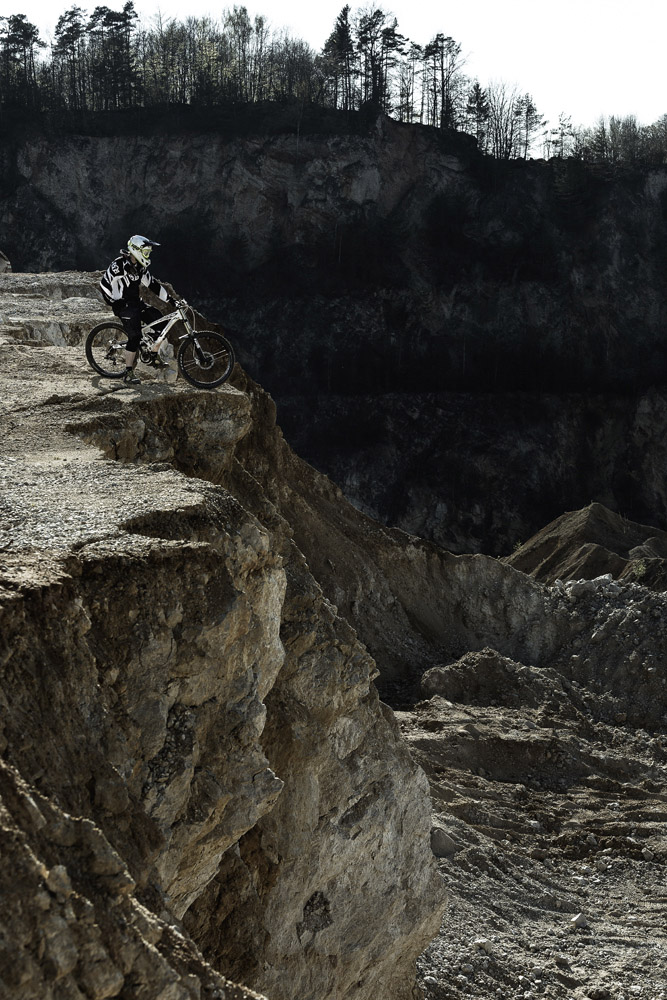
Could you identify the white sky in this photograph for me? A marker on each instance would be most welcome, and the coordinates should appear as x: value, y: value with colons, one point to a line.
x: 585, y: 58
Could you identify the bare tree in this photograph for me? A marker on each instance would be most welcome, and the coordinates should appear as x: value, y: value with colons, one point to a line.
x: 503, y: 134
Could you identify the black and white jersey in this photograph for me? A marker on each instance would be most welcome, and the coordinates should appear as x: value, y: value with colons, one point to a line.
x: 122, y: 280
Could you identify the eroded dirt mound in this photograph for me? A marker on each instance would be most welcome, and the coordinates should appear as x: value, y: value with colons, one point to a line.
x: 486, y: 677
x: 587, y: 543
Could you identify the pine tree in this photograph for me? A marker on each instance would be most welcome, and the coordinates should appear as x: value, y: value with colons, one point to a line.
x: 442, y: 62
x: 18, y: 78
x: 409, y: 72
x: 561, y: 139
x: 370, y: 27
x: 68, y: 54
x: 477, y: 114
x: 530, y: 123
x: 338, y: 62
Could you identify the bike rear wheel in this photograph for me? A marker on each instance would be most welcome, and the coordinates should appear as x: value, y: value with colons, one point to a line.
x: 105, y: 349
x: 206, y: 359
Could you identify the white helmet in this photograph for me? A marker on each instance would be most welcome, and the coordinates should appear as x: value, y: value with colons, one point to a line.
x: 140, y: 248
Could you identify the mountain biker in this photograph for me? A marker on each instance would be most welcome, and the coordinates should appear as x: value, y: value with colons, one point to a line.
x: 121, y: 286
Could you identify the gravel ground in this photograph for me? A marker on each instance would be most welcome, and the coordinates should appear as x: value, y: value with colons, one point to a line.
x: 56, y: 492
x: 556, y: 882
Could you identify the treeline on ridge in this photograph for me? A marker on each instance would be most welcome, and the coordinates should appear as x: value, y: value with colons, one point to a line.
x: 109, y: 61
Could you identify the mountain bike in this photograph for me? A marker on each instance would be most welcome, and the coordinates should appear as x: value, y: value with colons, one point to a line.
x: 204, y: 358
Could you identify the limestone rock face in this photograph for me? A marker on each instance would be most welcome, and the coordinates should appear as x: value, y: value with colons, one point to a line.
x: 177, y: 689
x: 59, y: 309
x: 71, y: 923
x: 256, y: 189
x: 523, y: 287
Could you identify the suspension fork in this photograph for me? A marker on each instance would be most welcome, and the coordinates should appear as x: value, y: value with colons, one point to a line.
x: 193, y: 337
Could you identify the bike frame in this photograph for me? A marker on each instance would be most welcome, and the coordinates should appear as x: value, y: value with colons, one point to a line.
x: 204, y: 351
x: 179, y: 314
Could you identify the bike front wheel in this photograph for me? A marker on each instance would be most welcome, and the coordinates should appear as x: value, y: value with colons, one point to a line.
x: 206, y: 359
x: 105, y: 349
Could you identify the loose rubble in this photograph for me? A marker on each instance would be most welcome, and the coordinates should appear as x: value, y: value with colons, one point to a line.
x: 552, y: 781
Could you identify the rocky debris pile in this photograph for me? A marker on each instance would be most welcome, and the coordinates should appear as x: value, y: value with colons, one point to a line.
x: 484, y: 677
x: 560, y: 847
x: 174, y: 677
x: 549, y: 781
x: 592, y: 542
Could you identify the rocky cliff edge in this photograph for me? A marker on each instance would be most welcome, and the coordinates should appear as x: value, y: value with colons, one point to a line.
x: 193, y: 746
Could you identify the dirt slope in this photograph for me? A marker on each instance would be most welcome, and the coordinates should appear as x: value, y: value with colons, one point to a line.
x: 587, y: 543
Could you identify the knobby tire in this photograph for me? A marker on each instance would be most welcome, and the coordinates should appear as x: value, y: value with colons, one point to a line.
x: 102, y: 353
x: 211, y: 364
